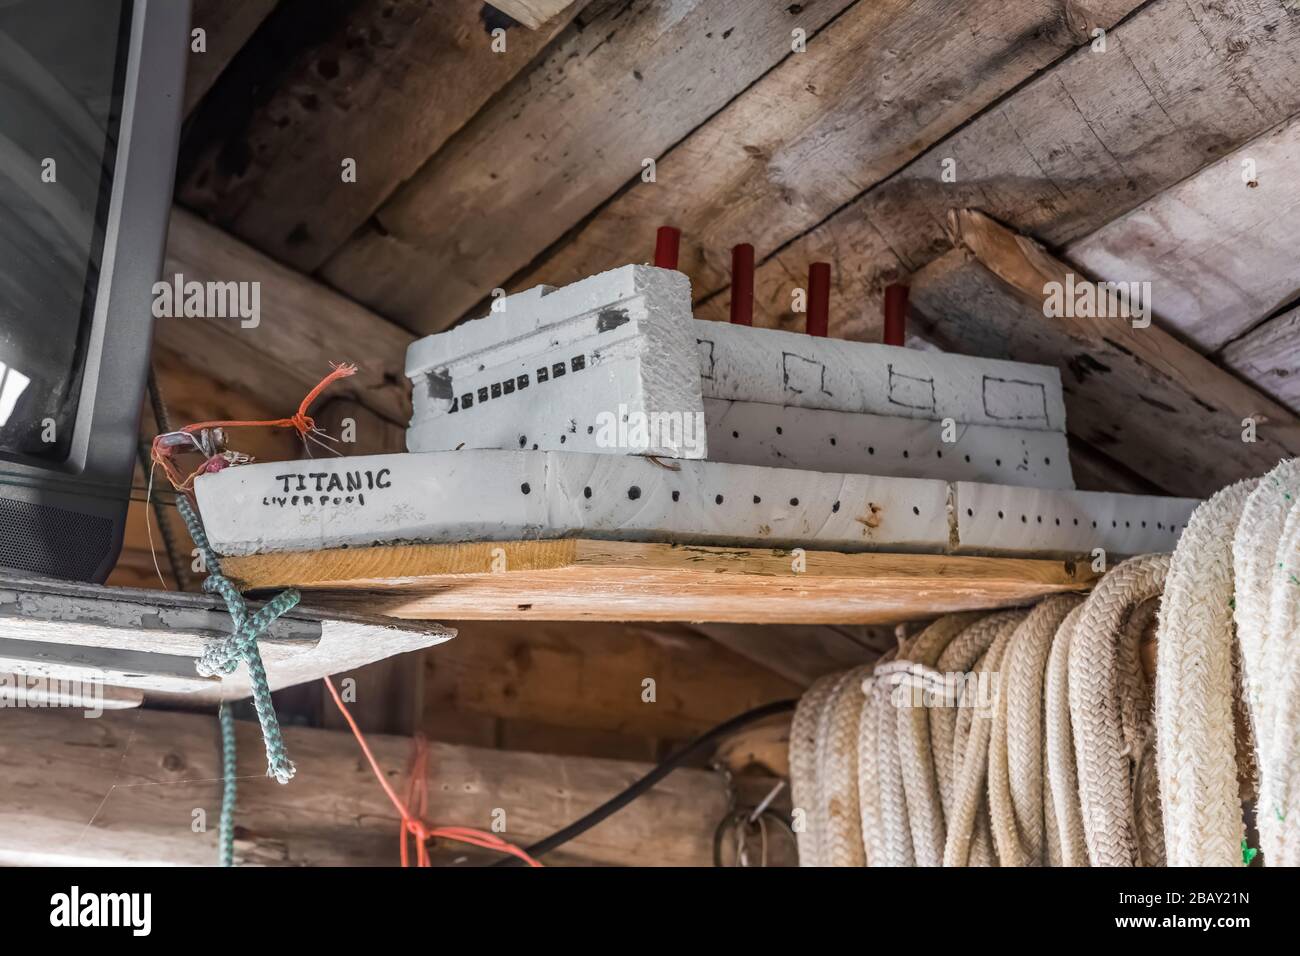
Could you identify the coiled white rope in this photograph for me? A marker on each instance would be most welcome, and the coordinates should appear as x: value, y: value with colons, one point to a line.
x: 1110, y: 713
x: 1062, y: 777
x: 925, y: 816
x: 840, y: 833
x: 1266, y: 566
x: 804, y: 770
x: 1017, y: 797
x: 890, y: 784
x: 969, y: 829
x: 1195, y: 688
x: 868, y: 796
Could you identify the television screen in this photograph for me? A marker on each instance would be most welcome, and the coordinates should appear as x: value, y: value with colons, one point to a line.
x: 62, y: 76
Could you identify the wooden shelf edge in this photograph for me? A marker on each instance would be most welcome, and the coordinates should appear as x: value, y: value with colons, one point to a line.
x: 586, y: 579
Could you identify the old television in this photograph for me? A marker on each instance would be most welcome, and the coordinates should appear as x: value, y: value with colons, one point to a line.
x: 90, y: 110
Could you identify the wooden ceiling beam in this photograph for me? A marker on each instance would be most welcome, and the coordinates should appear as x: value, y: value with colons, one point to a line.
x: 876, y: 88
x: 617, y: 89
x: 1269, y: 356
x: 303, y: 327
x: 1139, y: 394
x: 1219, y: 248
x: 383, y: 83
x: 124, y: 788
x: 1179, y: 85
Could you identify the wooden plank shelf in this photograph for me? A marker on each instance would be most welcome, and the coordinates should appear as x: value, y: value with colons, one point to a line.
x: 581, y: 579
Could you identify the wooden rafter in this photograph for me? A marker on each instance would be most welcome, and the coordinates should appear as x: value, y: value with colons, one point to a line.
x: 1219, y: 248
x: 877, y: 87
x: 600, y: 102
x: 1083, y: 142
x: 1138, y: 394
x: 384, y: 83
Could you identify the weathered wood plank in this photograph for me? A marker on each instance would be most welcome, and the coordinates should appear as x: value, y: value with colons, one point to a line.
x: 303, y: 327
x: 122, y: 789
x: 874, y: 89
x: 533, y: 13
x: 385, y: 84
x: 384, y: 697
x: 574, y: 579
x: 590, y: 676
x: 1181, y: 84
x: 151, y: 639
x: 802, y: 653
x: 1269, y: 356
x: 1219, y: 248
x: 620, y: 87
x: 1138, y: 394
x: 227, y: 27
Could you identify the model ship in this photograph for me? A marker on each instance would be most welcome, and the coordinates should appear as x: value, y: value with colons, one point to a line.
x: 604, y: 409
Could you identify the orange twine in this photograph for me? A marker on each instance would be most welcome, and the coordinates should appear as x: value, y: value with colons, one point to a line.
x: 300, y: 421
x: 417, y: 796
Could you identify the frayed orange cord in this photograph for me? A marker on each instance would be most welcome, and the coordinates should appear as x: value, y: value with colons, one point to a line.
x: 301, y: 422
x: 412, y: 811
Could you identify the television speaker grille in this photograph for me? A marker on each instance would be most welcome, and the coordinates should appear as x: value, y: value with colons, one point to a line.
x: 48, y: 540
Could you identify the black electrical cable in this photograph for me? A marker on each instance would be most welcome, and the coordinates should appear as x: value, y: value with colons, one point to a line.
x: 670, y: 763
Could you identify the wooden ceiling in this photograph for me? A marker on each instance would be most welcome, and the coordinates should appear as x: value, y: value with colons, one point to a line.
x: 1167, y: 157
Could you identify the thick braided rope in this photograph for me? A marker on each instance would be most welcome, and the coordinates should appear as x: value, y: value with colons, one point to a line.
x: 1195, y: 739
x: 224, y: 655
x: 1137, y: 696
x: 973, y: 712
x: 229, y: 789
x: 970, y: 795
x: 915, y: 750
x: 1062, y: 777
x: 821, y: 797
x: 1279, y: 767
x: 959, y: 657
x: 1051, y: 836
x: 837, y: 774
x: 1016, y: 741
x: 803, y: 766
x: 868, y: 774
x: 1107, y: 748
x: 1254, y: 559
x: 895, y: 836
x: 1263, y: 566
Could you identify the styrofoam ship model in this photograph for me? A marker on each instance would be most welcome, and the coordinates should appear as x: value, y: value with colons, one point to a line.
x: 604, y: 409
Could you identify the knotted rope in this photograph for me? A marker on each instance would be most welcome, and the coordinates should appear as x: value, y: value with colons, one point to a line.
x: 241, y: 644
x: 895, y: 837
x: 868, y: 775
x: 925, y: 815
x: 412, y: 810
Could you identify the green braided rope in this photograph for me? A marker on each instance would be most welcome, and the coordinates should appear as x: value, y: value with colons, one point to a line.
x: 224, y: 656
x: 229, y: 789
